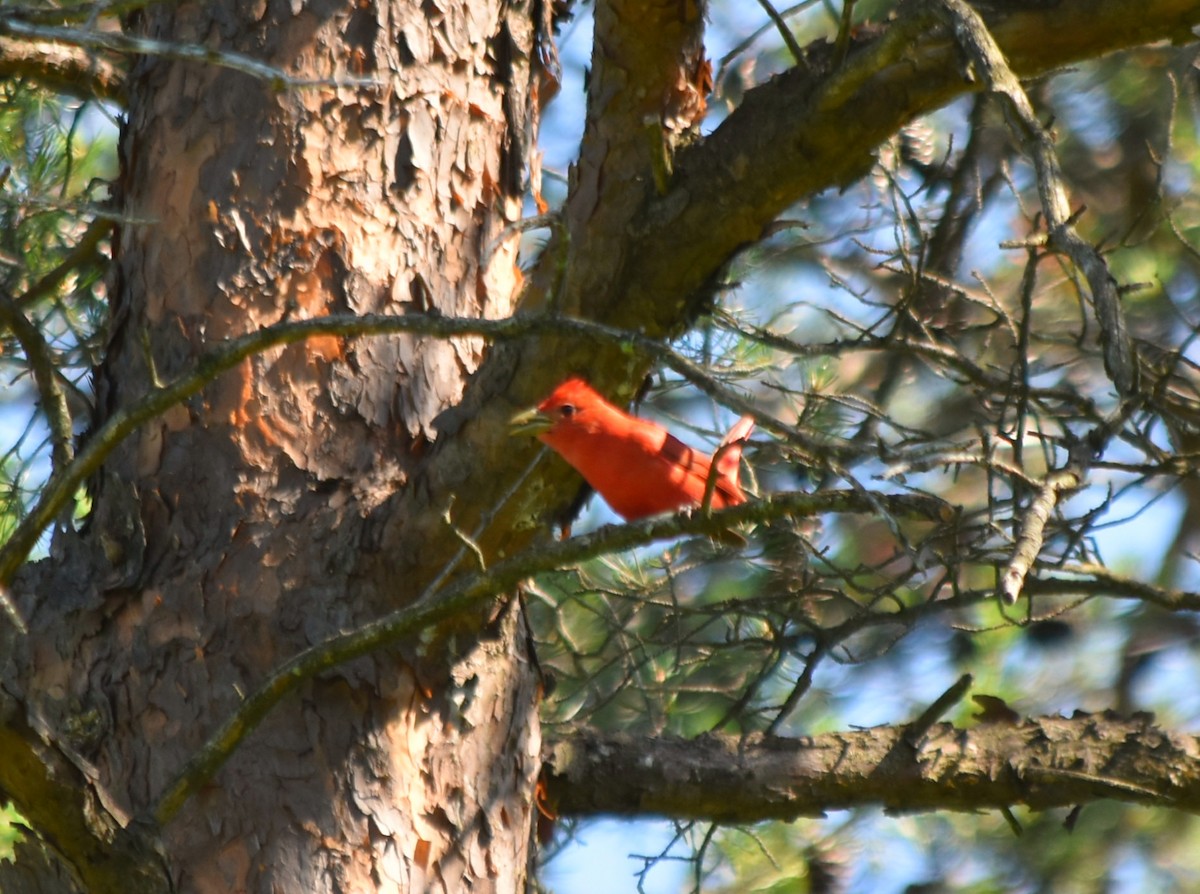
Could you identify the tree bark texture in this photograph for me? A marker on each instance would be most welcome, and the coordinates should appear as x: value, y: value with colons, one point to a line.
x: 231, y: 534
x: 1043, y: 763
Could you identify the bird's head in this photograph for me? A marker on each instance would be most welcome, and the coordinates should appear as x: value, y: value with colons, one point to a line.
x: 568, y: 409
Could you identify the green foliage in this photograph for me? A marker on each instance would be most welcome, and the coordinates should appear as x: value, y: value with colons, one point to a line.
x: 965, y: 854
x: 53, y: 158
x: 10, y: 832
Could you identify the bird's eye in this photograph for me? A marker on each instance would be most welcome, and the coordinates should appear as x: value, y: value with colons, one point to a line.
x: 566, y: 411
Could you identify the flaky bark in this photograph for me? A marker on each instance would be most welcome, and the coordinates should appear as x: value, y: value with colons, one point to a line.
x: 231, y: 533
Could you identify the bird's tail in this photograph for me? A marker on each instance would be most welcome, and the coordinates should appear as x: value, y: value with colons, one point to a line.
x: 729, y: 455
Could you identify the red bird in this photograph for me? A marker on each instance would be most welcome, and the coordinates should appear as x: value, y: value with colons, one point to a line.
x: 638, y: 467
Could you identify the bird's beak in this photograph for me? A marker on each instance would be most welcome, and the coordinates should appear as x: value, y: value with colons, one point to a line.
x: 530, y: 422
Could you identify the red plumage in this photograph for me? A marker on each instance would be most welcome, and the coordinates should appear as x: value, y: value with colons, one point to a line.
x: 637, y: 466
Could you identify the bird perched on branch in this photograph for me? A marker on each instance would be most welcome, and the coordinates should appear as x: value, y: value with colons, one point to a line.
x: 637, y: 466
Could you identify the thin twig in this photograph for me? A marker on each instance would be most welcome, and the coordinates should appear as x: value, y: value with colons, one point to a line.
x: 990, y: 66
x: 784, y: 31
x: 116, y: 42
x: 1033, y: 531
x: 746, y: 42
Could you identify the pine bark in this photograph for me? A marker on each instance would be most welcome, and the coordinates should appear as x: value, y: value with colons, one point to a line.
x: 245, y: 524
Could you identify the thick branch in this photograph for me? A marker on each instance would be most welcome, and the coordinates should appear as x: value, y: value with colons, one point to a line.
x: 811, y: 129
x: 641, y: 97
x: 71, y: 70
x: 1042, y: 763
x: 68, y: 810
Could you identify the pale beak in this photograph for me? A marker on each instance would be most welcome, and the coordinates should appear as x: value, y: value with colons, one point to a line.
x: 530, y: 422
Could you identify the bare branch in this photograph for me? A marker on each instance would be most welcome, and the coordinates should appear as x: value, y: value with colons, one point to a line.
x: 989, y: 63
x: 1033, y: 527
x: 785, y: 32
x: 755, y: 778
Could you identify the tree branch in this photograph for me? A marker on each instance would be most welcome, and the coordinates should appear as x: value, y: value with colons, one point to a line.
x: 74, y: 71
x: 464, y: 593
x: 45, y: 377
x: 811, y: 129
x: 116, y: 42
x: 989, y: 63
x: 467, y: 592
x: 1033, y: 528
x: 65, y: 482
x: 785, y: 33
x: 1042, y: 763
x: 642, y: 98
x: 69, y: 810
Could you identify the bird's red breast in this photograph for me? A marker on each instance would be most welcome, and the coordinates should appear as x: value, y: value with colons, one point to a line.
x: 637, y: 466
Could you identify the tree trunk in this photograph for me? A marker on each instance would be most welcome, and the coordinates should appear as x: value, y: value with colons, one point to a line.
x: 247, y: 523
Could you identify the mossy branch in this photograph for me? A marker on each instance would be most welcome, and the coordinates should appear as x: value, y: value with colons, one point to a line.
x: 465, y: 593
x: 65, y: 482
